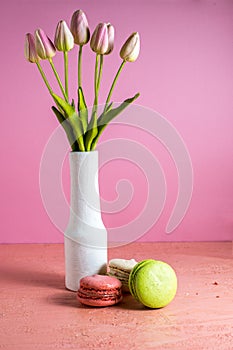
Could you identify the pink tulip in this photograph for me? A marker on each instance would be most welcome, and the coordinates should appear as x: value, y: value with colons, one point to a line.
x: 44, y: 46
x: 99, y: 39
x: 79, y: 28
x: 63, y: 40
x: 110, y: 38
x: 130, y: 50
x: 30, y: 49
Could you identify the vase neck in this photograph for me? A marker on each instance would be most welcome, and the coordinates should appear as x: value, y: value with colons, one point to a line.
x: 84, y: 183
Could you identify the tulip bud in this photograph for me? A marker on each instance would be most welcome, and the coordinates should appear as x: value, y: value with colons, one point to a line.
x: 110, y: 38
x: 130, y: 50
x: 99, y: 39
x: 30, y: 49
x: 63, y: 40
x: 79, y: 28
x: 44, y: 46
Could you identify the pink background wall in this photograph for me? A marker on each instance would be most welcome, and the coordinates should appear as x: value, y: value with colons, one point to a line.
x: 185, y: 72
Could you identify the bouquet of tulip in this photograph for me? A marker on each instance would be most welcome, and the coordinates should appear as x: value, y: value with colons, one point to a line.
x: 83, y: 130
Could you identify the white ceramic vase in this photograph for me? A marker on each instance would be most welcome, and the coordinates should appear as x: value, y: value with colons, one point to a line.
x: 85, y: 239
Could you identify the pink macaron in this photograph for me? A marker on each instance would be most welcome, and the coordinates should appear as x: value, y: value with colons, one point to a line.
x: 99, y: 290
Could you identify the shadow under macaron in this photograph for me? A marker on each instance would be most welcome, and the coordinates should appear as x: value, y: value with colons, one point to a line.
x: 68, y: 298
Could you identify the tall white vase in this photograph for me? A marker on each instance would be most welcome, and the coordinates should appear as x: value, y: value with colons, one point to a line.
x: 86, y: 236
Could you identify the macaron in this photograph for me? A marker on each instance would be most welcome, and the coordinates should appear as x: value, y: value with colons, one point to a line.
x: 99, y: 290
x: 121, y: 268
x: 153, y: 283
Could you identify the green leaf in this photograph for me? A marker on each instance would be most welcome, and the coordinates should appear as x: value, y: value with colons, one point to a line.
x: 65, y: 106
x: 106, y: 117
x: 109, y: 107
x: 60, y: 117
x: 92, y: 132
x: 72, y: 103
x: 109, y: 115
x: 74, y: 120
x: 82, y: 108
x: 67, y: 127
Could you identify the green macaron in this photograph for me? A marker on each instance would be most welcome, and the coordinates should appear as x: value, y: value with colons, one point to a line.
x: 153, y: 283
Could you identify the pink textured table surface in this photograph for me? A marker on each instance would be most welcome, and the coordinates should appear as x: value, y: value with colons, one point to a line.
x: 37, y: 312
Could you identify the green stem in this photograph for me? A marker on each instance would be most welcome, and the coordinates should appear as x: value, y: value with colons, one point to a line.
x: 113, y: 84
x: 66, y: 73
x: 100, y: 71
x: 44, y: 78
x: 58, y: 79
x: 96, y: 84
x: 80, y: 66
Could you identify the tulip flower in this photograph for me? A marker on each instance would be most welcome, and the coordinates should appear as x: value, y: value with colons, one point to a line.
x: 99, y: 44
x: 30, y: 49
x: 79, y: 28
x: 44, y: 46
x: 81, y: 33
x: 102, y: 42
x: 130, y: 50
x: 99, y: 39
x: 46, y: 50
x: 110, y: 38
x: 110, y: 35
x: 64, y: 40
x: 31, y: 55
x: 129, y: 53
